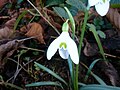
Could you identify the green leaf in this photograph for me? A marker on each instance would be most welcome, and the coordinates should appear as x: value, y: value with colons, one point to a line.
x: 77, y: 3
x: 99, y: 87
x: 61, y: 12
x: 1, y: 78
x: 19, y: 18
x: 70, y: 64
x: 71, y: 19
x: 50, y: 72
x: 115, y: 3
x: 53, y: 2
x: 98, y: 79
x: 19, y: 1
x: 93, y: 29
x: 90, y: 68
x: 101, y: 34
x: 45, y: 83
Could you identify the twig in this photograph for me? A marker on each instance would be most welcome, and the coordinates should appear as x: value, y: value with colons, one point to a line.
x: 44, y: 18
x: 32, y: 49
x: 109, y: 55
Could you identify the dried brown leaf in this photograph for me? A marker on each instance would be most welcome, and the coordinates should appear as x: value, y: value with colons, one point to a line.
x: 2, y: 2
x: 7, y: 49
x: 110, y: 72
x: 10, y: 23
x: 5, y: 33
x: 34, y: 30
x: 114, y: 16
x: 90, y: 49
x: 37, y: 3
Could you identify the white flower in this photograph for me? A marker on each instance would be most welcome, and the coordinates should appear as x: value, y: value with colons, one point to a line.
x: 101, y: 6
x: 65, y: 45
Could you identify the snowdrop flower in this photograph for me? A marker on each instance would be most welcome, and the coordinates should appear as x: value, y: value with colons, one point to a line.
x: 65, y: 45
x: 101, y: 6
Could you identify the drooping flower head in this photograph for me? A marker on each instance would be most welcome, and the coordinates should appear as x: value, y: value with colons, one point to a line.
x: 101, y: 6
x: 65, y: 45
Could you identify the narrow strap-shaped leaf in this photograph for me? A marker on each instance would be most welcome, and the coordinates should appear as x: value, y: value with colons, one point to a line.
x: 71, y: 20
x: 45, y: 83
x: 99, y: 87
x: 90, y: 68
x: 50, y: 72
x: 95, y: 76
x: 98, y: 79
x: 19, y: 18
x: 93, y: 30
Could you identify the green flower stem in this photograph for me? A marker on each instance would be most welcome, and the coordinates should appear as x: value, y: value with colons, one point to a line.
x: 79, y: 48
x: 71, y: 64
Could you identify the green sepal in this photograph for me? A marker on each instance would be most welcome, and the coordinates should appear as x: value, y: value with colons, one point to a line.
x: 65, y: 26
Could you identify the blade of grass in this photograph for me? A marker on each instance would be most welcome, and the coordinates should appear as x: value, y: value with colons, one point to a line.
x: 98, y: 79
x: 70, y: 64
x: 50, y: 72
x: 95, y: 76
x: 81, y: 84
x: 19, y: 18
x: 99, y: 87
x: 90, y: 68
x: 45, y: 83
x: 93, y: 29
x: 71, y: 20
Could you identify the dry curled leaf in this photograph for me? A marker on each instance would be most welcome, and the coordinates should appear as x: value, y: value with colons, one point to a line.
x: 10, y: 23
x: 110, y: 72
x: 7, y: 31
x: 7, y: 48
x: 34, y: 30
x: 114, y: 16
x: 2, y: 2
x: 90, y: 49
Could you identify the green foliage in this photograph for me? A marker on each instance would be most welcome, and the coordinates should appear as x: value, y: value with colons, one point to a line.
x: 90, y: 68
x: 45, y: 83
x: 53, y: 2
x: 62, y: 13
x: 19, y: 1
x: 98, y: 79
x: 19, y: 18
x: 1, y: 78
x: 98, y: 21
x: 71, y: 20
x: 50, y: 72
x: 77, y: 3
x: 115, y: 3
x: 93, y: 29
x: 101, y: 34
x: 98, y: 87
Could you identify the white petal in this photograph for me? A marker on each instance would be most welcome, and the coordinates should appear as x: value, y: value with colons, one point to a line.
x: 64, y: 35
x: 92, y: 2
x: 102, y: 8
x: 72, y: 50
x: 63, y: 53
x: 53, y: 48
